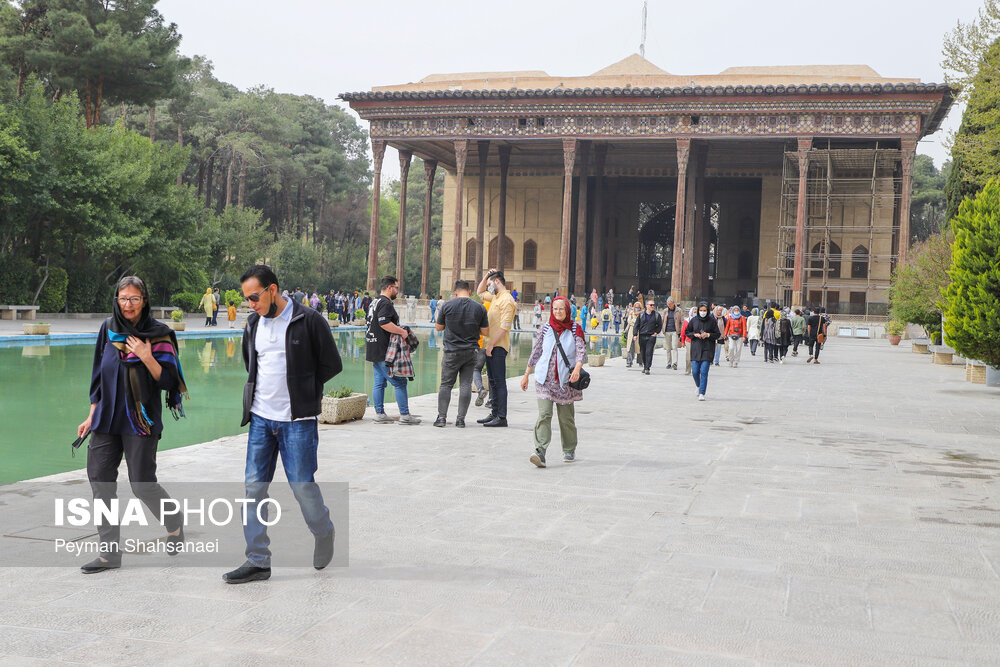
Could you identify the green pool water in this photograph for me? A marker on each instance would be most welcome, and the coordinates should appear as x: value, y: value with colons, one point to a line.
x: 44, y: 393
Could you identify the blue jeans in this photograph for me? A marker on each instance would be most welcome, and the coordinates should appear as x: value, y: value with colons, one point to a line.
x: 699, y: 370
x: 297, y: 443
x: 606, y: 326
x: 378, y: 394
x: 718, y: 352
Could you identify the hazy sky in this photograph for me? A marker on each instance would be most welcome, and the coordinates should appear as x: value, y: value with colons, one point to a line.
x: 326, y: 48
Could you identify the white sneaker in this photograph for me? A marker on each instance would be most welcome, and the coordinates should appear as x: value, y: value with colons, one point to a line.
x: 408, y: 420
x: 382, y: 418
x: 701, y: 397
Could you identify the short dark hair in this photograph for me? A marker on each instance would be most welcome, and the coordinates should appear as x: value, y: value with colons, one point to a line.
x: 462, y: 285
x: 498, y: 275
x: 262, y: 272
x: 132, y: 281
x: 387, y: 282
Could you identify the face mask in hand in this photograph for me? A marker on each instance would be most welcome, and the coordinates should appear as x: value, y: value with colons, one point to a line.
x: 491, y: 288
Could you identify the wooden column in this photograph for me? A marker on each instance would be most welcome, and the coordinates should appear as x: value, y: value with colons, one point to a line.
x: 678, y: 279
x: 569, y: 158
x: 378, y: 152
x: 461, y: 150
x: 581, y: 220
x: 504, y: 151
x: 484, y: 152
x: 404, y: 172
x: 909, y: 149
x: 800, y: 223
x: 693, y: 231
x: 599, y: 240
x: 430, y: 166
x: 612, y: 233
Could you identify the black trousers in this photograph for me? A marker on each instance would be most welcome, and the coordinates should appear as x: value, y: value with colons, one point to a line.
x: 457, y: 364
x: 814, y: 348
x: 754, y: 342
x: 104, y: 455
x: 796, y: 339
x: 770, y: 352
x: 496, y: 368
x: 647, y: 344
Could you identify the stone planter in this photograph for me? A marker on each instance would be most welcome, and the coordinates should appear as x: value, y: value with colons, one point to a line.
x: 334, y: 323
x: 37, y: 329
x: 894, y: 339
x: 992, y: 376
x: 339, y: 410
x: 975, y: 372
x: 176, y: 326
x: 595, y: 360
x: 358, y: 323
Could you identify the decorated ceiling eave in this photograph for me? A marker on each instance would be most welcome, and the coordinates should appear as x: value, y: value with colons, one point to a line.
x: 932, y: 124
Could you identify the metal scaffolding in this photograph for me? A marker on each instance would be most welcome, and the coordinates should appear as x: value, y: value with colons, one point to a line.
x: 851, y: 193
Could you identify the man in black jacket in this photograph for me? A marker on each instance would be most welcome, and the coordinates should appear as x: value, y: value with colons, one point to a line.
x: 648, y: 327
x: 289, y: 352
x: 703, y: 332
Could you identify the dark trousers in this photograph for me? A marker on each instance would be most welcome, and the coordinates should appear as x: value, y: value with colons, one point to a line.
x: 215, y: 317
x: 753, y: 345
x: 796, y: 339
x: 457, y: 364
x: 814, y: 348
x: 770, y: 352
x: 104, y: 455
x: 496, y: 369
x: 647, y: 344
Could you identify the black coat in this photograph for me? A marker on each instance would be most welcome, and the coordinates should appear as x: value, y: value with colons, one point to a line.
x: 702, y: 349
x: 311, y: 358
x: 648, y: 328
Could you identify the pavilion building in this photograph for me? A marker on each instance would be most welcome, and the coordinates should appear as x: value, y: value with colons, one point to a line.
x: 783, y: 183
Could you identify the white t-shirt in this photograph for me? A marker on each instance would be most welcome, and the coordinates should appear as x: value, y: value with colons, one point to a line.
x: 270, y: 398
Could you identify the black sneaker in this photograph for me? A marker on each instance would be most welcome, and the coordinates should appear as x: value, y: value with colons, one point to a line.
x: 322, y: 553
x: 538, y: 459
x: 440, y: 422
x: 488, y: 418
x: 246, y: 573
x: 459, y: 423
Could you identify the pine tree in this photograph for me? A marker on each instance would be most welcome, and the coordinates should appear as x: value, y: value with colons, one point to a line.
x: 972, y: 324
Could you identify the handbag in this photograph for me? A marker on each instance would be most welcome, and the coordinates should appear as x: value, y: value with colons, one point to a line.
x: 584, y: 380
x: 821, y: 337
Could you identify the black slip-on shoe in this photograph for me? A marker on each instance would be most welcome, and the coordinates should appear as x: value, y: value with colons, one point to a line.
x: 99, y: 565
x: 488, y: 418
x: 175, y: 543
x: 499, y: 421
x: 246, y: 573
x: 323, y: 553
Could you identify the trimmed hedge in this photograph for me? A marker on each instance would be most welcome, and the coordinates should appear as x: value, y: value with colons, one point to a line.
x: 53, y: 296
x: 186, y: 301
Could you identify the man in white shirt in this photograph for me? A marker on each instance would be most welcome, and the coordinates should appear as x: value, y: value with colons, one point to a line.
x: 289, y: 353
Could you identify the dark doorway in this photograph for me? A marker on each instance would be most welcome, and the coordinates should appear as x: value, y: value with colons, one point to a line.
x: 654, y: 258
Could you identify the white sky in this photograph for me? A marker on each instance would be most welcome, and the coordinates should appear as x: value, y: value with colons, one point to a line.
x: 324, y: 48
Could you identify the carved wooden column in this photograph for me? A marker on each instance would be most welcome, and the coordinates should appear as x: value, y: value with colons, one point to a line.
x: 504, y: 151
x: 599, y: 238
x: 430, y: 166
x: 693, y: 231
x: 404, y: 172
x: 484, y: 152
x: 612, y: 233
x: 569, y: 158
x: 909, y: 147
x: 378, y: 152
x: 678, y: 280
x: 800, y: 223
x: 581, y: 220
x: 461, y: 150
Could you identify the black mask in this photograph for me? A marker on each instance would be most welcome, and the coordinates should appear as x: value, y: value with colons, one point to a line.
x: 272, y: 311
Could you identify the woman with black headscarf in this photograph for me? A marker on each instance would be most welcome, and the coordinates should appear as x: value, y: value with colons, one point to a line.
x: 135, y: 359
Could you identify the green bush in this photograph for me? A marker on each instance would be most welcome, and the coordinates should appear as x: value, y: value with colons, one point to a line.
x: 359, y: 314
x: 186, y: 301
x: 53, y: 296
x: 232, y: 296
x: 333, y: 316
x: 343, y: 392
x: 177, y: 316
x: 87, y: 292
x: 17, y: 275
x: 973, y: 297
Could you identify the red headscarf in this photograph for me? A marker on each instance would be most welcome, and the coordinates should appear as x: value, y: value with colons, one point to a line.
x: 558, y: 326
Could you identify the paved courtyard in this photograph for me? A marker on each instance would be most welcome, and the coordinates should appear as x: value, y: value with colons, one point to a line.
x: 841, y: 513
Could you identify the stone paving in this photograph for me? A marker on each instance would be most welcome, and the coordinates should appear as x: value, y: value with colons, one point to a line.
x: 841, y: 513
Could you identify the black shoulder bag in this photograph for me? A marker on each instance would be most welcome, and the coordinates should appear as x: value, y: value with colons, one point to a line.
x: 584, y: 380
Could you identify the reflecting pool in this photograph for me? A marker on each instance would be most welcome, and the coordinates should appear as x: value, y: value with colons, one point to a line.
x: 44, y: 393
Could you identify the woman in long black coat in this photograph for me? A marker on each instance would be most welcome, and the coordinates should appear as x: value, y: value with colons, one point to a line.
x: 703, y: 332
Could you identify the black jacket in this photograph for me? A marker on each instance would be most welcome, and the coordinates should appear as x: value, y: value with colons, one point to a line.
x: 311, y: 359
x: 653, y: 326
x: 703, y: 349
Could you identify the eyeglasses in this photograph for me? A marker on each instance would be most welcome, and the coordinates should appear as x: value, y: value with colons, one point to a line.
x: 134, y: 300
x: 255, y: 297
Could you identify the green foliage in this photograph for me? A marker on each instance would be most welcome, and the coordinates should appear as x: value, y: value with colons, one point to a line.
x: 16, y: 278
x: 52, y: 298
x: 917, y: 290
x: 928, y: 203
x: 177, y: 315
x: 87, y: 292
x: 333, y: 316
x: 233, y: 297
x: 342, y: 392
x: 895, y: 327
x: 296, y: 264
x: 359, y: 314
x: 187, y: 301
x: 976, y: 150
x: 974, y: 293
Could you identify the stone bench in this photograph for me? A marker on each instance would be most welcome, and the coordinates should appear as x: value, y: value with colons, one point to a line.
x: 975, y: 371
x: 162, y: 312
x: 10, y: 312
x: 941, y: 354
x: 920, y: 345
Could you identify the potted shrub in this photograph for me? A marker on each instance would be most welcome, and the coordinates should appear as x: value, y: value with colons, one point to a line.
x: 359, y: 318
x: 343, y: 405
x: 37, y: 328
x: 894, y: 329
x: 176, y: 320
x: 334, y: 320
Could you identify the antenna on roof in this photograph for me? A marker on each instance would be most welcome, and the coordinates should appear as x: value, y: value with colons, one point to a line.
x: 642, y: 44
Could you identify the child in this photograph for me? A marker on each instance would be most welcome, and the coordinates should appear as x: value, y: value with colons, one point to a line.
x: 232, y: 314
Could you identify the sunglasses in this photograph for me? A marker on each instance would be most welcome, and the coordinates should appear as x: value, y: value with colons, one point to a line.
x: 255, y: 297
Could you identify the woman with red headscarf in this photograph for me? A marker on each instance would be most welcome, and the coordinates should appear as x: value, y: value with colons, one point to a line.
x: 552, y: 373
